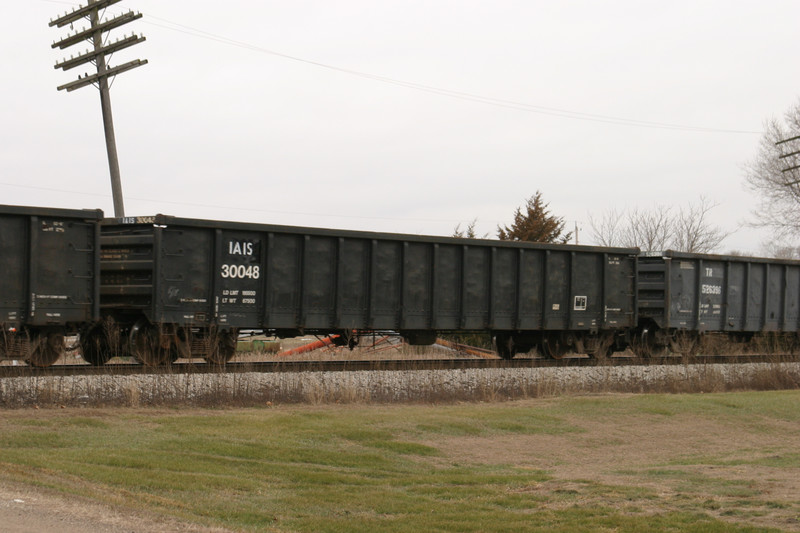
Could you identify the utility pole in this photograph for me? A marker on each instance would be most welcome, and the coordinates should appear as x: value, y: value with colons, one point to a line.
x: 98, y: 55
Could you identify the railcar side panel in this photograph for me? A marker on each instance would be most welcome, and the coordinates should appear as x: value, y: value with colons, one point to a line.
x: 63, y: 256
x: 791, y: 318
x: 712, y: 295
x: 729, y: 293
x: 284, y: 264
x: 556, y: 290
x: 447, y: 272
x: 504, y: 294
x: 618, y: 291
x: 237, y: 279
x: 49, y: 262
x: 287, y: 280
x: 736, y: 297
x: 183, y: 285
x: 416, y: 292
x: 756, y: 286
x: 775, y: 297
x: 353, y: 283
x: 586, y: 301
x: 386, y: 284
x: 318, y: 282
x: 531, y: 290
x: 476, y: 287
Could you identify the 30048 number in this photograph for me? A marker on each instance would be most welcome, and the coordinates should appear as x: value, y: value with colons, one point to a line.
x: 240, y: 271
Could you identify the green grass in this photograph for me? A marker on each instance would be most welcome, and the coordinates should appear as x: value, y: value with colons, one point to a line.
x: 393, y: 468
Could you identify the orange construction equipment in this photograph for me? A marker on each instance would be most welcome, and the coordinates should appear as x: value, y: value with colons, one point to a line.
x: 310, y: 347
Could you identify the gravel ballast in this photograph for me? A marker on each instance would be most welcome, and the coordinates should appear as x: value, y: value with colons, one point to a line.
x: 219, y: 389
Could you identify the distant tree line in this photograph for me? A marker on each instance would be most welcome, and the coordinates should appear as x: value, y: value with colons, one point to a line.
x: 686, y: 229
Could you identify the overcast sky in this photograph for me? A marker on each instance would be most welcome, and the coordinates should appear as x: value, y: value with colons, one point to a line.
x: 518, y: 97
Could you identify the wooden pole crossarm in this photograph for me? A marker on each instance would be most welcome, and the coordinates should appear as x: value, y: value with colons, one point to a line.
x: 94, y: 78
x: 88, y: 56
x: 81, y: 12
x: 87, y: 33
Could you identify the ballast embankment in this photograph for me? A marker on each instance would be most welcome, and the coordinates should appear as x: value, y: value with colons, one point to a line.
x: 407, y: 386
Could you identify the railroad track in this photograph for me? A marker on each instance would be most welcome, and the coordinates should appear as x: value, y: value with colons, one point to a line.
x: 379, y: 365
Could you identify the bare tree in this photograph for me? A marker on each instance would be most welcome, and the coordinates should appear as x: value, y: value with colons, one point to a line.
x: 779, y: 208
x: 780, y: 250
x: 692, y: 230
x: 660, y: 228
x: 606, y: 230
x: 649, y: 229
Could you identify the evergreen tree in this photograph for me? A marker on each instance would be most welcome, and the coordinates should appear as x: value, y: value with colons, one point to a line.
x: 535, y: 224
x: 469, y: 233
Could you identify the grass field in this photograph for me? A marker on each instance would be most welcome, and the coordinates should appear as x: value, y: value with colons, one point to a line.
x: 698, y: 463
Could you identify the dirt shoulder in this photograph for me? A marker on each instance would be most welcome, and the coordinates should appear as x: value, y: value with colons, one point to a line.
x: 27, y: 510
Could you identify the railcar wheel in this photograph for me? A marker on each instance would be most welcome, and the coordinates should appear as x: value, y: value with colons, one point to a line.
x: 146, y: 346
x: 553, y: 346
x: 685, y: 343
x: 46, y: 349
x: 222, y: 348
x: 95, y: 347
x: 644, y: 345
x: 603, y: 347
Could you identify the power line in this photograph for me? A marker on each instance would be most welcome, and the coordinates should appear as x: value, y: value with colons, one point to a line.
x: 498, y: 102
x: 450, y: 93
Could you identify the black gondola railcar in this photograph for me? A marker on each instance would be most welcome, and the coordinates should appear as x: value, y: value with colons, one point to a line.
x: 177, y: 287
x: 49, y: 287
x: 683, y: 295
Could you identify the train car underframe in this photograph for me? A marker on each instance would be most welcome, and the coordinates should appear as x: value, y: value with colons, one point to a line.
x: 162, y: 344
x: 39, y: 346
x: 156, y: 344
x: 556, y: 344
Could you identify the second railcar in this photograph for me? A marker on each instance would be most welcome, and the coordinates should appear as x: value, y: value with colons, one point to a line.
x: 185, y: 286
x: 683, y: 295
